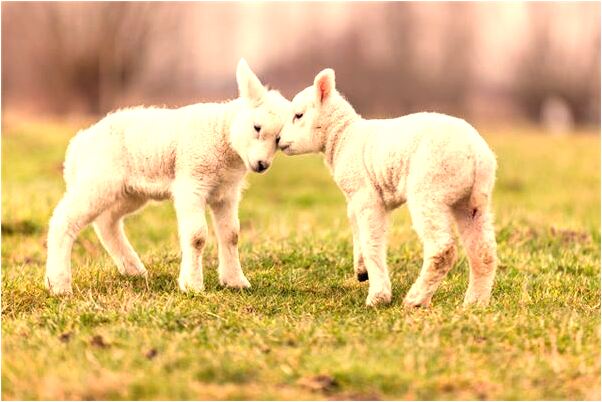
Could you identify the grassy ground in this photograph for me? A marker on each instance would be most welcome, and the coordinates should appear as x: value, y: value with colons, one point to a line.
x: 303, y: 331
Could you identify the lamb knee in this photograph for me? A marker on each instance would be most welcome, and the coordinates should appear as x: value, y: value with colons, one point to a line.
x: 198, y: 238
x: 198, y: 241
x: 232, y: 238
x: 487, y: 260
x: 444, y: 258
x: 63, y: 225
x: 440, y: 262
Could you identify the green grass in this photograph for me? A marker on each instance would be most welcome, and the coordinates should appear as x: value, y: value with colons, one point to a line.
x: 305, y: 315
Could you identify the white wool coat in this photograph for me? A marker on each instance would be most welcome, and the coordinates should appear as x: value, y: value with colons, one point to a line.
x: 197, y: 155
x: 439, y: 165
x: 140, y: 150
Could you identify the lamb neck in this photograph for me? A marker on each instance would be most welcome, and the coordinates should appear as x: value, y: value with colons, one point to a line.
x: 336, y: 128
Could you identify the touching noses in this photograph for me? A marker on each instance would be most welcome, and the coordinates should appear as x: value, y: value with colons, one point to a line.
x: 282, y: 145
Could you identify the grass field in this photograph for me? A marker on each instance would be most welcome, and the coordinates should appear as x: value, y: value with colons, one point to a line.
x: 302, y: 331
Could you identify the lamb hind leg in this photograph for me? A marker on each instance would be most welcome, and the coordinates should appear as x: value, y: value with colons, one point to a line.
x: 478, y: 237
x: 74, y: 212
x: 433, y: 223
x: 109, y: 228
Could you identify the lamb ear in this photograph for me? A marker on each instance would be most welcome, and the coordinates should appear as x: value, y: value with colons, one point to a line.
x: 324, y: 84
x: 249, y: 86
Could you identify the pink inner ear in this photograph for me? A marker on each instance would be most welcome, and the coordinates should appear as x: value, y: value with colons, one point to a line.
x: 323, y: 88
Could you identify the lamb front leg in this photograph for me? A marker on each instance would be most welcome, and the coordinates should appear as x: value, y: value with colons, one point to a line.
x: 192, y: 229
x: 358, y: 259
x: 227, y: 229
x: 372, y: 229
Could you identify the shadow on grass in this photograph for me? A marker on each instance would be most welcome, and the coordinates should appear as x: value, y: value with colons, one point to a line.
x: 268, y: 296
x: 21, y: 227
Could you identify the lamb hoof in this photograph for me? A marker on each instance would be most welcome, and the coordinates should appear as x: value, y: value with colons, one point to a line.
x: 410, y: 304
x: 237, y: 283
x: 378, y: 299
x: 133, y: 270
x: 58, y: 288
x: 191, y: 286
x: 362, y: 276
x: 472, y: 299
x: 416, y: 300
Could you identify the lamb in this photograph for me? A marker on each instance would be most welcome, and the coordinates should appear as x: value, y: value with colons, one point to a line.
x: 438, y: 164
x: 197, y: 155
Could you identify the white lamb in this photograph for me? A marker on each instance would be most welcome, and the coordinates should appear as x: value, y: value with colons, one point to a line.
x: 197, y: 155
x: 438, y: 164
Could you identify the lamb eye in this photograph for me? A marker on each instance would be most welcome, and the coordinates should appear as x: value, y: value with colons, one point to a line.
x: 298, y: 115
x: 257, y: 128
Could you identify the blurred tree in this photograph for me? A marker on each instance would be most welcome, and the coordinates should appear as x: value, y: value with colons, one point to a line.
x: 390, y: 58
x: 403, y: 79
x: 547, y: 71
x: 87, y: 54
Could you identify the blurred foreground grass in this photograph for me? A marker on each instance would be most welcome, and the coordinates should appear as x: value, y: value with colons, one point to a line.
x: 303, y: 331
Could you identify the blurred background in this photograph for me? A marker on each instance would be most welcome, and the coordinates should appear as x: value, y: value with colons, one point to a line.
x: 495, y: 62
x: 518, y: 71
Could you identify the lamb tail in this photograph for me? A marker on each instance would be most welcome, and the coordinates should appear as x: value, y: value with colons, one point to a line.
x: 485, y: 168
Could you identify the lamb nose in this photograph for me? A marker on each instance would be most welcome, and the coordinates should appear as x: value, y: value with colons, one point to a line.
x: 261, y: 166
